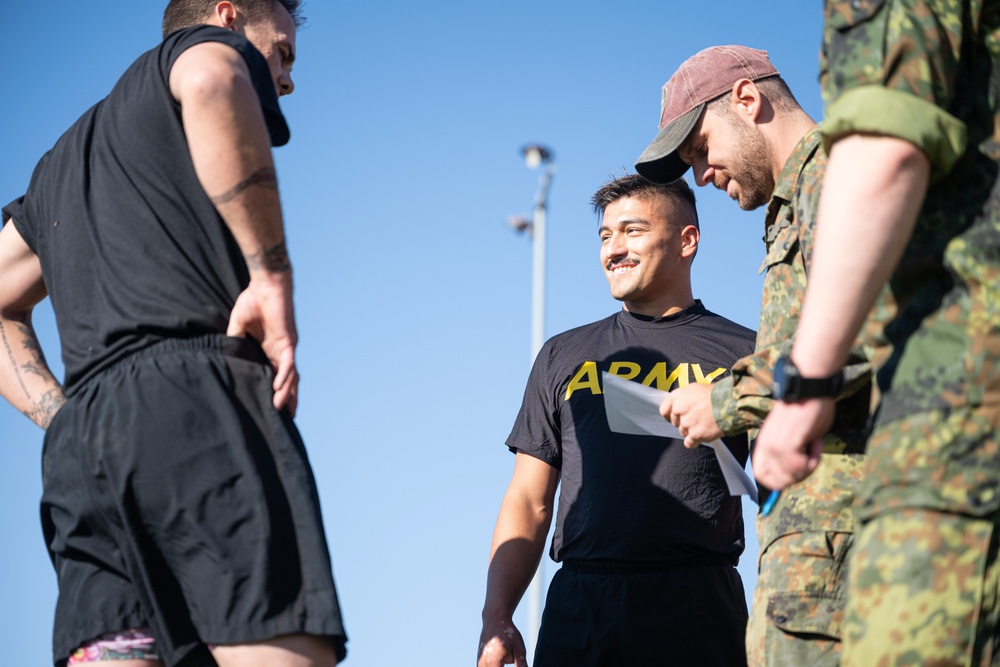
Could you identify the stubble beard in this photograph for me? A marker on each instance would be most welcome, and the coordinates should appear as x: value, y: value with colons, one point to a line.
x: 751, y: 168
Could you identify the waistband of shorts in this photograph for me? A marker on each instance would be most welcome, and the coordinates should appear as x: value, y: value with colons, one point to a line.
x: 607, y: 566
x: 242, y: 348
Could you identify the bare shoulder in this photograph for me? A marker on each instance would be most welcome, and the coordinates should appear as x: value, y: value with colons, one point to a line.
x: 205, y: 66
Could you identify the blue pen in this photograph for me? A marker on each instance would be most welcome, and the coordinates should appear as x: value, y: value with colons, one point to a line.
x: 769, y: 503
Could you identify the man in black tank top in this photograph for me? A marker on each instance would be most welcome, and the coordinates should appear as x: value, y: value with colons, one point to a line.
x: 178, y: 506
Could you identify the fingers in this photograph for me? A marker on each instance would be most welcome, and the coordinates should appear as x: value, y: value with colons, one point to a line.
x: 264, y: 311
x: 504, y: 646
x: 779, y: 471
x: 236, y: 329
x: 814, y: 451
x: 668, y: 412
x: 286, y: 381
x: 286, y: 395
x: 773, y: 478
x: 494, y: 654
x: 666, y: 408
x: 284, y: 366
x: 241, y: 317
x: 789, y: 447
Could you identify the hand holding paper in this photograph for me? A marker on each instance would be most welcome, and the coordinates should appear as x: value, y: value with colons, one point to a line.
x: 634, y: 409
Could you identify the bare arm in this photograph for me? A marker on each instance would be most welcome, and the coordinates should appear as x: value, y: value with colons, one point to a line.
x: 231, y: 151
x: 25, y: 379
x: 873, y: 191
x: 518, y: 543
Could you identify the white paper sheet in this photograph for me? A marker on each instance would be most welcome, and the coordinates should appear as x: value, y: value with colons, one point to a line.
x: 634, y: 409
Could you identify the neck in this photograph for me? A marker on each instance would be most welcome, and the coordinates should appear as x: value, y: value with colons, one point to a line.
x: 786, y: 135
x: 659, y: 308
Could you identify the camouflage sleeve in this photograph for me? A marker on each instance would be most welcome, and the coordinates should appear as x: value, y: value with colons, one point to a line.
x: 889, y: 67
x: 742, y: 400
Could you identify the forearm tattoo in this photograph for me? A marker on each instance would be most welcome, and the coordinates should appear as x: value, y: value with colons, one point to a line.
x: 46, y: 407
x: 41, y: 409
x: 272, y: 260
x: 265, y: 178
x: 12, y: 360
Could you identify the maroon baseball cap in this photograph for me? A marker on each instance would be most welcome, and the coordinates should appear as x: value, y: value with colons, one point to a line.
x: 700, y: 79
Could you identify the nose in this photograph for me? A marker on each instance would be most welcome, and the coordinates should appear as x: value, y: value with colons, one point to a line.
x: 285, y: 84
x: 703, y: 174
x: 615, y: 247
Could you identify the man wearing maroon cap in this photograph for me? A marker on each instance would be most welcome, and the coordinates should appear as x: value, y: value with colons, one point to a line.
x: 727, y: 113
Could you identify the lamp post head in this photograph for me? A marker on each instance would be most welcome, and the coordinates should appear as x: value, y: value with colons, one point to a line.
x: 519, y: 223
x: 536, y: 155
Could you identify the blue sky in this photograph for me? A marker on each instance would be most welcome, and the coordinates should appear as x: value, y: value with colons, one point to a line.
x: 413, y: 296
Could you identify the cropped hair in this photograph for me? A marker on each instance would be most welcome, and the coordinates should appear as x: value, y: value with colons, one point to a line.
x: 634, y: 185
x: 186, y: 13
x: 774, y: 89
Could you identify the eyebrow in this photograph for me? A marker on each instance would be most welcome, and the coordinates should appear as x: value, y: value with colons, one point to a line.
x: 624, y: 223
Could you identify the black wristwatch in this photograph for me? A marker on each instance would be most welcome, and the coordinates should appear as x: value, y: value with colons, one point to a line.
x: 790, y: 386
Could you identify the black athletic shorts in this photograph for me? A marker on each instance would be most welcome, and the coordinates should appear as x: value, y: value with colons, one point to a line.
x: 176, y: 497
x: 613, y: 614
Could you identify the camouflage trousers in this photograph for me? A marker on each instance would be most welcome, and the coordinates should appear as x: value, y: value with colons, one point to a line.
x: 798, y: 602
x: 924, y: 591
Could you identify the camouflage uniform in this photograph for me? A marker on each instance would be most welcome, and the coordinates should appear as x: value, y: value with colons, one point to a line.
x: 924, y: 580
x: 799, y: 599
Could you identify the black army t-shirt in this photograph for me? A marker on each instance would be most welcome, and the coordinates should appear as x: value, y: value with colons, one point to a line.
x: 131, y: 247
x: 630, y: 497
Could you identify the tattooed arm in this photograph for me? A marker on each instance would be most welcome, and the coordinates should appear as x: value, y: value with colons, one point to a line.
x: 231, y: 151
x: 25, y: 379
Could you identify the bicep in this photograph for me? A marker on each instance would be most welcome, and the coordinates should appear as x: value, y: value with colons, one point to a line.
x: 21, y: 285
x: 534, y: 480
x: 221, y: 115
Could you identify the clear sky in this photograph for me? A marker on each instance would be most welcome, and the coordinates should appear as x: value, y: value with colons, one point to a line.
x: 413, y: 295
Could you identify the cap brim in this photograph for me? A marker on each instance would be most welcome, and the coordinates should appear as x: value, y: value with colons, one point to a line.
x: 660, y: 163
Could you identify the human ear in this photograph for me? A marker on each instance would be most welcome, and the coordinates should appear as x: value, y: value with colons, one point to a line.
x: 690, y: 237
x: 225, y: 15
x: 746, y: 99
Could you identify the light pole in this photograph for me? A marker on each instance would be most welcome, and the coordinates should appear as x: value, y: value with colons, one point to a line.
x: 536, y: 155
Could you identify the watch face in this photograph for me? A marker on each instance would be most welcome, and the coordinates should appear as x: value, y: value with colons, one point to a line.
x: 783, y: 371
x: 789, y: 385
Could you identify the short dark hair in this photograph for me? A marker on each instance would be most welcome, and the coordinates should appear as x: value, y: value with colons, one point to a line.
x: 186, y: 13
x: 634, y: 185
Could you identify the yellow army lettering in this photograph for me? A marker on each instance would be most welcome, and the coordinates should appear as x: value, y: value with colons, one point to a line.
x: 587, y: 376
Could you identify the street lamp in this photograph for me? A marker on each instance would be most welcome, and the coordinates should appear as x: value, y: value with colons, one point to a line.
x: 536, y: 155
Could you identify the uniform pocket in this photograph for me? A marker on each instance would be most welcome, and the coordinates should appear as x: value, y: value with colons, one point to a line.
x: 803, y: 629
x: 807, y: 613
x: 784, y: 245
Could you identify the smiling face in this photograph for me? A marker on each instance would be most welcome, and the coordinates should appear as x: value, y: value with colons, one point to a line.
x: 647, y: 244
x: 274, y: 36
x: 730, y: 153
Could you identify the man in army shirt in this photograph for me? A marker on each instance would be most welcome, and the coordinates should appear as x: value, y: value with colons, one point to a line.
x: 728, y: 114
x: 909, y: 223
